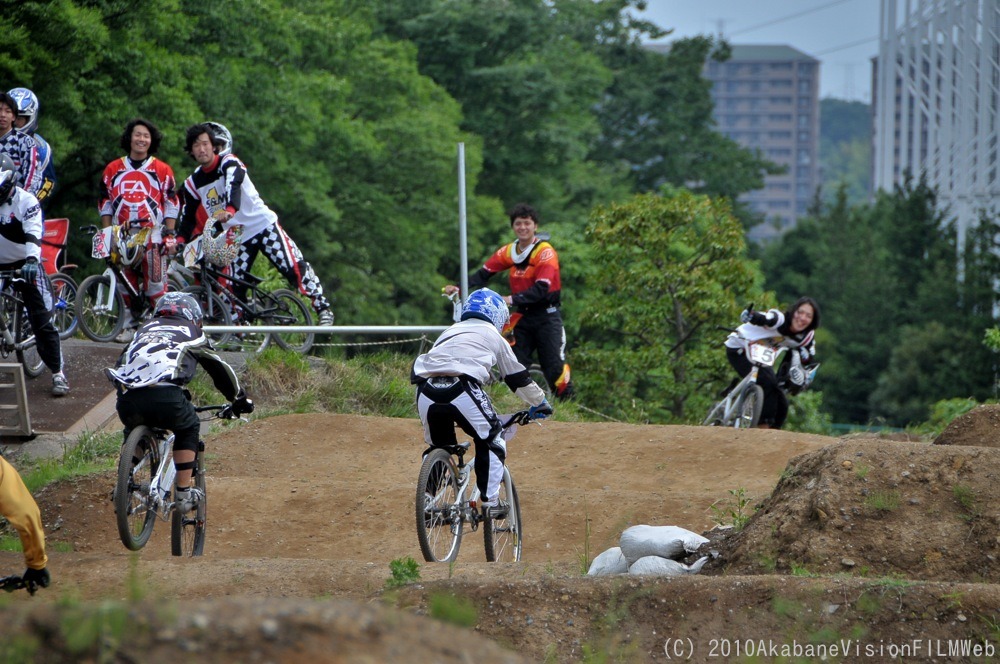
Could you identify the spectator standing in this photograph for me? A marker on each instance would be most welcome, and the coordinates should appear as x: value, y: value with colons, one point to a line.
x: 26, y: 122
x: 138, y: 192
x: 220, y: 190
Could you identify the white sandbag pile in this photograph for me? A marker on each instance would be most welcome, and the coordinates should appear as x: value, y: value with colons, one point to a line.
x: 651, y: 551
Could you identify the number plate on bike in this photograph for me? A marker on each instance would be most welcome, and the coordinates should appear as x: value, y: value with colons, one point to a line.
x: 762, y: 354
x: 101, y: 244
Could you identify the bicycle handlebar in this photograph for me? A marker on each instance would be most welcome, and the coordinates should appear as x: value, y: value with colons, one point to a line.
x: 222, y: 411
x: 521, y: 417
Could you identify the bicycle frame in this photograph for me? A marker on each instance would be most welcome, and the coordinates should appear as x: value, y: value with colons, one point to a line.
x: 163, y: 480
x: 729, y: 411
x: 11, y: 300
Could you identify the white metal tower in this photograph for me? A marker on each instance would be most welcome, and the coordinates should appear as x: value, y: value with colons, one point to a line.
x: 936, y: 95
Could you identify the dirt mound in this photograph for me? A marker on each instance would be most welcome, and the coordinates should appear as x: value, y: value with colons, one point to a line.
x: 872, y: 508
x: 980, y: 427
x: 307, y: 512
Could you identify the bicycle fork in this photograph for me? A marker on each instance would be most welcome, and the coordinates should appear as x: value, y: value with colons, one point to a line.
x: 163, y: 481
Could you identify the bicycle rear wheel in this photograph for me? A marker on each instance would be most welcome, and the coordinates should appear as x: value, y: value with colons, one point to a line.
x: 502, y: 535
x: 28, y: 357
x: 187, y: 531
x: 751, y: 405
x: 99, y: 320
x: 291, y: 311
x: 439, y: 516
x: 64, y: 304
x: 137, y: 464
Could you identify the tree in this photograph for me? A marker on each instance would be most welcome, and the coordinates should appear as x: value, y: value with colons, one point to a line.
x: 667, y: 270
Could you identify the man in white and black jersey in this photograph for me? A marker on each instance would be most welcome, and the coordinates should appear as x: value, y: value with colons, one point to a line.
x: 152, y: 371
x: 220, y: 193
x: 20, y: 249
x: 20, y: 147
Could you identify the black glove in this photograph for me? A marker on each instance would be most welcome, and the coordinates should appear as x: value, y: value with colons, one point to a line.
x: 540, y: 412
x: 35, y: 579
x: 242, y: 406
x: 753, y: 317
x: 29, y: 271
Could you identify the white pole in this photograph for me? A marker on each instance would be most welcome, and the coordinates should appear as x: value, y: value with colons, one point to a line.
x: 463, y: 249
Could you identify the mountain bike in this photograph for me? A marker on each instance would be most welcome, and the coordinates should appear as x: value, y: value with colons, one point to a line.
x: 145, y: 486
x: 448, y: 500
x: 100, y: 306
x: 216, y: 294
x: 534, y: 369
x: 16, y: 335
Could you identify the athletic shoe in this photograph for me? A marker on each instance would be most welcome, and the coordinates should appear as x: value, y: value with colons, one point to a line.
x: 188, y: 499
x: 495, y: 509
x: 326, y: 318
x: 125, y: 336
x: 60, y: 385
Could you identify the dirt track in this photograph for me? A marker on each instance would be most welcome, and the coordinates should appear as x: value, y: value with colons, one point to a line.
x: 314, y: 507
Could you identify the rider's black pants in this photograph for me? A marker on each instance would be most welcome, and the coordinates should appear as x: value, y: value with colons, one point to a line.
x: 542, y: 330
x: 161, y: 407
x: 775, y: 408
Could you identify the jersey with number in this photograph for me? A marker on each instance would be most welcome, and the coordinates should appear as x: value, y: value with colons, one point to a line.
x: 224, y: 185
x: 20, y: 228
x: 138, y: 193
x: 23, y: 151
x: 168, y: 350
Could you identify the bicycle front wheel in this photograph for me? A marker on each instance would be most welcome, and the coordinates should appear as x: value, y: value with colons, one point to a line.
x: 439, y: 515
x: 502, y: 533
x: 137, y: 465
x: 187, y: 531
x: 64, y: 304
x: 100, y: 311
x: 28, y: 354
x: 751, y: 405
x: 291, y: 311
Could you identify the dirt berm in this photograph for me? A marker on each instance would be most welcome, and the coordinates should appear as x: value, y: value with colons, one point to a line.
x: 862, y: 550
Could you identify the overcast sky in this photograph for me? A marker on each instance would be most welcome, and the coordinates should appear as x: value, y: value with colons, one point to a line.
x: 841, y: 34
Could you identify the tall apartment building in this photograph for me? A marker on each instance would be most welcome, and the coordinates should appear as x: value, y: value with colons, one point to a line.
x: 767, y: 97
x: 936, y: 99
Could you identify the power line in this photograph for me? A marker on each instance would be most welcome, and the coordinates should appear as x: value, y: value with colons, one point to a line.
x: 787, y: 18
x: 843, y: 46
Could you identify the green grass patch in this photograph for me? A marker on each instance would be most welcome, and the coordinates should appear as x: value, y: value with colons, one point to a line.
x: 882, y: 501
x: 453, y: 609
x: 402, y: 571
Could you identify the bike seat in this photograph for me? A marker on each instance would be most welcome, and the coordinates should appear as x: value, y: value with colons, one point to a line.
x: 458, y: 449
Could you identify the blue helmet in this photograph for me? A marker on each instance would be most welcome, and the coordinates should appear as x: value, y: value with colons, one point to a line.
x: 27, y: 107
x: 487, y: 305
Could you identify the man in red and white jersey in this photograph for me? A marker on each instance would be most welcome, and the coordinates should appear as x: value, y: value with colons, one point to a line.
x: 138, y: 192
x: 220, y: 190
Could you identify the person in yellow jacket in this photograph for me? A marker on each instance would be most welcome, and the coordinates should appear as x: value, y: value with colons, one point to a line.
x: 21, y: 510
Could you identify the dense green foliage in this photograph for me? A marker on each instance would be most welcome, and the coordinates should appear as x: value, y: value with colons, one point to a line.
x: 670, y: 269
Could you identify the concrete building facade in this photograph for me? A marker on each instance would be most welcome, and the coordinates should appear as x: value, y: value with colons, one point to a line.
x: 767, y: 98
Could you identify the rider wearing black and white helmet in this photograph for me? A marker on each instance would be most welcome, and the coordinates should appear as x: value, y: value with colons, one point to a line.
x: 152, y: 371
x: 223, y: 139
x: 21, y: 249
x: 19, y: 146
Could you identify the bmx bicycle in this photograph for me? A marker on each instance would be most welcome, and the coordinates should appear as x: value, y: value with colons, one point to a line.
x: 448, y: 500
x: 16, y: 335
x: 145, y: 485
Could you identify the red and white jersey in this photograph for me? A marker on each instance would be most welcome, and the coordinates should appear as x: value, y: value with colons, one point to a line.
x: 225, y: 185
x: 144, y: 193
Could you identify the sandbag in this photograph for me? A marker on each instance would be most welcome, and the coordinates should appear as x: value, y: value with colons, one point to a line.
x: 610, y: 562
x: 657, y: 566
x: 663, y: 541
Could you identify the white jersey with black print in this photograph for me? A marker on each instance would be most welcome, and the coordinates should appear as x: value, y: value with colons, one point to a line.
x: 20, y: 228
x: 471, y: 348
x: 167, y: 351
x: 770, y: 334
x: 227, y: 186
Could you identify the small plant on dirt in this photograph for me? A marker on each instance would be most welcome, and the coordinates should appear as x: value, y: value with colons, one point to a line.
x: 801, y: 570
x: 954, y: 599
x: 453, y: 609
x: 882, y: 501
x: 735, y: 511
x: 786, y: 608
x: 862, y: 470
x: 404, y: 571
x: 585, y: 555
x: 868, y: 603
x: 967, y: 499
